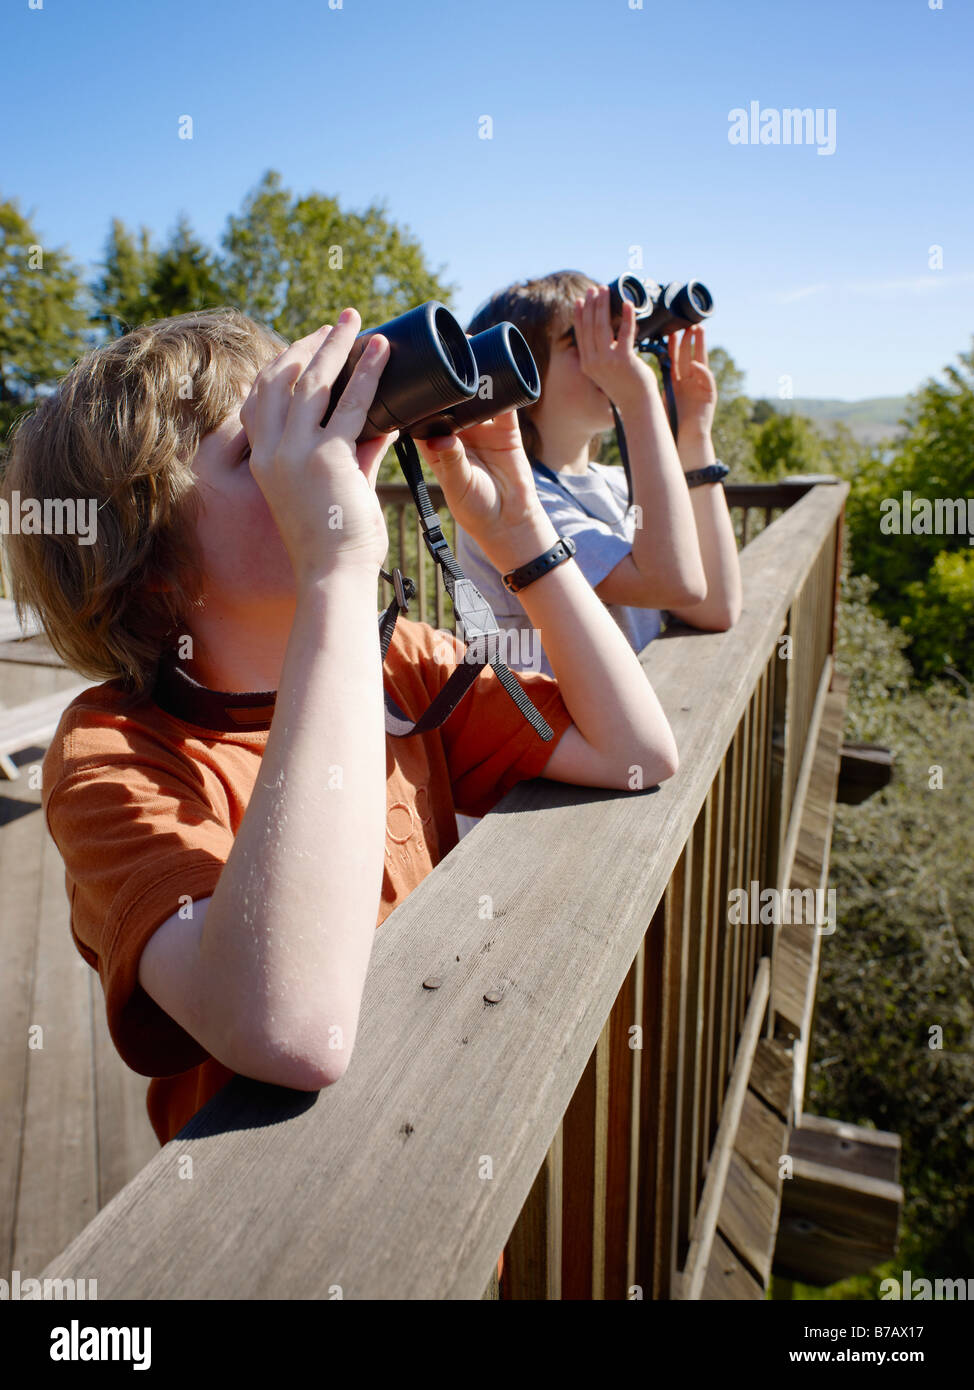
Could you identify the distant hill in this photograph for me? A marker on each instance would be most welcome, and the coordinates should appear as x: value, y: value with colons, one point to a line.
x: 869, y: 421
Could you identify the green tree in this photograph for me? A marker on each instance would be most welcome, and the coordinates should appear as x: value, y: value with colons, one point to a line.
x: 934, y: 460
x: 139, y: 284
x: 121, y: 293
x: 732, y: 433
x: 763, y: 410
x: 787, y: 444
x: 295, y: 263
x: 42, y: 318
x: 186, y: 275
x: 942, y: 621
x: 901, y: 959
x: 842, y: 452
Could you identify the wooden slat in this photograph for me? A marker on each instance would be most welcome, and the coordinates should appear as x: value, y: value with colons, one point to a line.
x: 725, y: 1015
x: 650, y: 1090
x: 835, y: 1223
x: 533, y: 1254
x: 402, y: 558
x: 721, y: 931
x: 32, y: 724
x: 804, y: 775
x: 126, y: 1140
x: 758, y: 750
x: 771, y: 1073
x: 797, y: 947
x: 701, y: 1243
x: 693, y: 1029
x: 761, y: 828
x: 58, y: 1188
x: 21, y: 846
x: 875, y: 1153
x: 728, y: 1277
x: 421, y: 553
x: 749, y: 1216
x: 623, y: 1137
x: 743, y: 933
x: 713, y: 927
x: 780, y: 702
x: 585, y: 1133
x: 668, y: 1176
x: 736, y: 875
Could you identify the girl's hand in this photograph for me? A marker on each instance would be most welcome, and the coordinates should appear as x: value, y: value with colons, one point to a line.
x: 611, y: 362
x: 489, y: 488
x: 694, y: 385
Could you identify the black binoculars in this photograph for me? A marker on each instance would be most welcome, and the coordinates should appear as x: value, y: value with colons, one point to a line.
x: 437, y: 380
x: 661, y: 309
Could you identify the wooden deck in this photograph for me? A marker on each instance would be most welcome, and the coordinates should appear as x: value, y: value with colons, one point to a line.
x: 72, y: 1115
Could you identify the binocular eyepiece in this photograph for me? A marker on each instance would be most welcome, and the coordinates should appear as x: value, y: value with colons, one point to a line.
x: 437, y: 380
x: 661, y: 309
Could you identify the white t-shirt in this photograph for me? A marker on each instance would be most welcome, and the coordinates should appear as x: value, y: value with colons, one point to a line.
x: 591, y: 508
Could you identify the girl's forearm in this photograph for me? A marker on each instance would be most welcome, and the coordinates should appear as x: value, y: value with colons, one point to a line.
x: 601, y: 681
x: 665, y: 545
x: 718, y: 545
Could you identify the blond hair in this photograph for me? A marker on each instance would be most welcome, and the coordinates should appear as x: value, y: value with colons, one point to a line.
x: 123, y: 427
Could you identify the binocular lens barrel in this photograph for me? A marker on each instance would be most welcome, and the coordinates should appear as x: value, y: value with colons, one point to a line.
x: 629, y: 287
x: 437, y: 380
x: 661, y: 309
x: 693, y: 302
x: 431, y: 367
x: 508, y: 380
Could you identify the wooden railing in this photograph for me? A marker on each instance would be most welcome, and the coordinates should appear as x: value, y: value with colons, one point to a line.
x: 569, y: 1091
x: 753, y: 507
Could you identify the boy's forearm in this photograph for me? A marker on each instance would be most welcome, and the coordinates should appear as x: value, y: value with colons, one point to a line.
x: 288, y: 933
x: 599, y: 676
x: 718, y: 545
x: 665, y: 545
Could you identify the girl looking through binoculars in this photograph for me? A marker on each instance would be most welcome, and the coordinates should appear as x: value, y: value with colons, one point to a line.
x: 674, y: 550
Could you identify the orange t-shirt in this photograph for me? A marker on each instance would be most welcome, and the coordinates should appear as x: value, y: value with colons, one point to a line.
x: 144, y: 803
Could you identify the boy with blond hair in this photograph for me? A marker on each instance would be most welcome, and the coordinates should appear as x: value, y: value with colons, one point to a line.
x: 233, y: 818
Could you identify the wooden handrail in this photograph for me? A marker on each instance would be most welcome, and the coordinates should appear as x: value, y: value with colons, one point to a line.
x: 432, y: 605
x: 591, y: 913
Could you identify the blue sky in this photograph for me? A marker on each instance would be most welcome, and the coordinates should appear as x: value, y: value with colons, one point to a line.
x: 610, y: 130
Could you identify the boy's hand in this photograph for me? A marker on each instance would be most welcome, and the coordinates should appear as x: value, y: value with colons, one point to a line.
x: 694, y: 385
x: 320, y: 485
x: 612, y: 362
x: 489, y: 489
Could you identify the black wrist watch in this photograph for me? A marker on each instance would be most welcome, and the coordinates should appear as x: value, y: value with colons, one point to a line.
x: 563, y: 549
x: 713, y: 473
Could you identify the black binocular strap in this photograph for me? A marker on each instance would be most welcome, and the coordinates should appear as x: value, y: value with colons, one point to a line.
x: 471, y: 608
x: 660, y: 352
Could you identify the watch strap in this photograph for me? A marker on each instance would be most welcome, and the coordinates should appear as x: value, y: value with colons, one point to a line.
x: 563, y: 549
x: 713, y: 473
